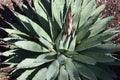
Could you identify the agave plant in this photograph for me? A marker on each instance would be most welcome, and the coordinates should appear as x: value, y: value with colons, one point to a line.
x: 61, y: 40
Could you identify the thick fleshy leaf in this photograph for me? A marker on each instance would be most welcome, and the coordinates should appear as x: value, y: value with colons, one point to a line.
x: 86, y: 72
x: 63, y: 75
x: 56, y: 21
x: 31, y: 46
x: 117, y: 63
x: 46, y: 43
x: 9, y: 53
x: 67, y: 42
x: 33, y: 27
x: 100, y: 57
x: 108, y: 70
x: 54, y: 29
x: 57, y: 8
x: 84, y: 3
x: 34, y: 62
x: 100, y: 25
x: 12, y: 31
x: 11, y: 40
x: 72, y: 44
x: 108, y: 47
x: 83, y: 78
x: 17, y: 56
x: 40, y: 75
x: 46, y: 5
x: 100, y: 73
x: 86, y: 12
x: 84, y: 59
x: 58, y: 39
x: 42, y: 14
x: 61, y: 45
x: 19, y: 27
x: 16, y: 72
x: 61, y: 59
x: 68, y: 3
x: 76, y: 9
x: 75, y: 4
x: 98, y: 10
x: 44, y: 58
x: 95, y: 40
x: 25, y: 63
x: 103, y: 48
x: 82, y: 31
x: 40, y: 11
x: 24, y: 75
x: 72, y: 71
x: 30, y: 13
x: 53, y: 70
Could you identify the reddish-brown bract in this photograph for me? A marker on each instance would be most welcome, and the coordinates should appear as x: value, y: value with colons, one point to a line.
x: 69, y: 21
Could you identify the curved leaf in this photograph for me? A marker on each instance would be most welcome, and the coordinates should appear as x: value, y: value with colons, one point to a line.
x: 84, y: 3
x: 108, y: 47
x: 76, y: 9
x: 100, y: 73
x: 67, y: 42
x: 84, y: 59
x: 9, y: 53
x: 72, y: 71
x: 100, y: 57
x: 30, y: 12
x: 53, y: 70
x: 46, y: 43
x: 42, y: 14
x: 63, y: 75
x: 19, y: 27
x: 12, y: 31
x: 85, y: 14
x: 100, y: 25
x: 57, y: 8
x: 95, y: 40
x: 39, y: 9
x: 31, y: 46
x: 25, y: 63
x: 82, y: 31
x: 33, y: 27
x: 72, y: 44
x: 86, y: 72
x: 40, y: 75
x: 34, y: 62
x: 24, y: 75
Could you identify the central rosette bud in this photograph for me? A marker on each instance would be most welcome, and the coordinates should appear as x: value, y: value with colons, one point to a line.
x: 68, y: 27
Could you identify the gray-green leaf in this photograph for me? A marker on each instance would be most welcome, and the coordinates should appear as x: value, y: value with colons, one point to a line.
x: 72, y: 71
x: 31, y: 46
x: 53, y: 70
x: 40, y: 75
